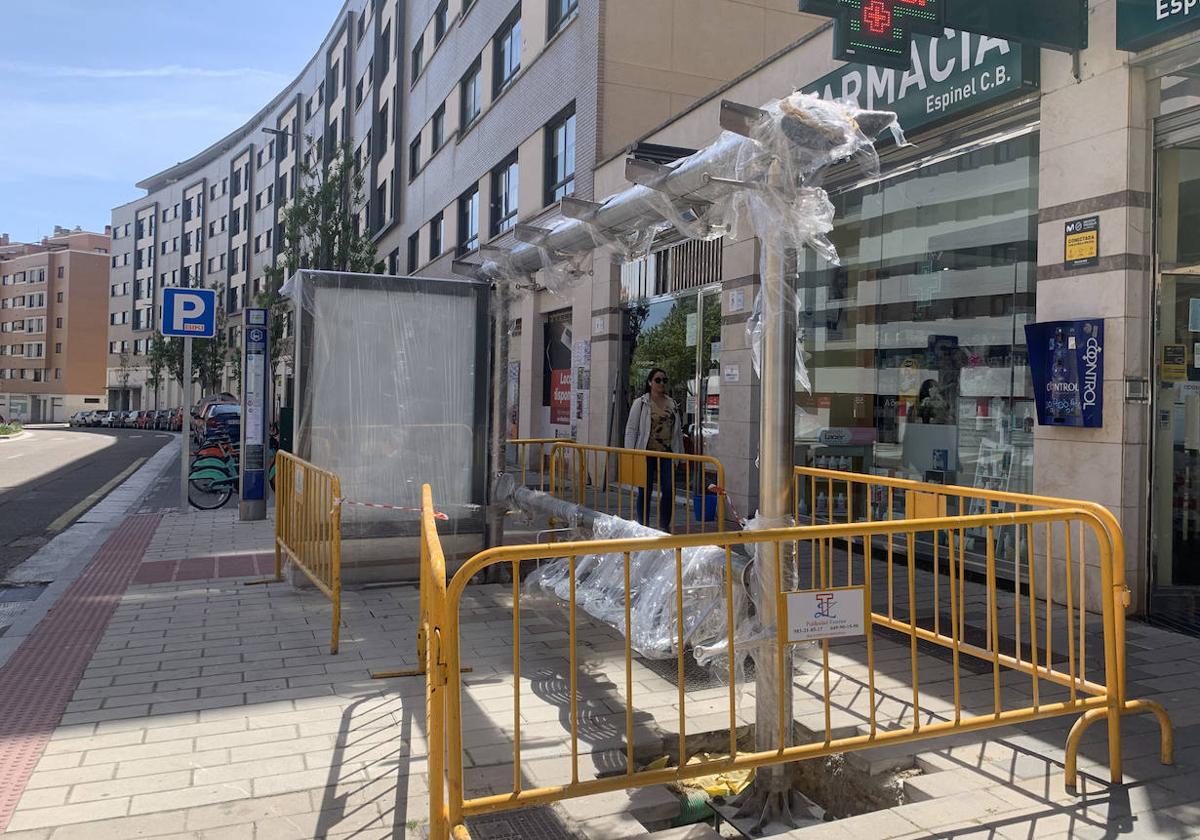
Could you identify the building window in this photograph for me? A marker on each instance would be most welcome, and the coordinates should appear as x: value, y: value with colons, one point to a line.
x: 335, y: 74
x: 504, y: 196
x: 58, y: 322
x: 381, y: 205
x: 383, y: 122
x: 560, y: 156
x: 418, y: 57
x: 560, y: 13
x: 61, y: 272
x: 468, y: 220
x: 471, y: 104
x: 414, y: 252
x: 436, y: 225
x: 439, y: 127
x: 506, y: 52
x: 59, y: 297
x: 58, y: 347
x: 441, y: 17
x: 385, y: 51
x: 414, y: 157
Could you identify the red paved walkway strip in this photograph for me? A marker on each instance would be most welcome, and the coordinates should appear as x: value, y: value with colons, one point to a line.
x: 37, y: 682
x: 206, y: 568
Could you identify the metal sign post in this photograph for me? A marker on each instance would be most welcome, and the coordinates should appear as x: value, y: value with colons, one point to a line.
x: 256, y: 362
x: 185, y: 425
x: 187, y: 314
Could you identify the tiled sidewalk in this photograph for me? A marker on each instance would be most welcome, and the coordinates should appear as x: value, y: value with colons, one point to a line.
x: 210, y: 709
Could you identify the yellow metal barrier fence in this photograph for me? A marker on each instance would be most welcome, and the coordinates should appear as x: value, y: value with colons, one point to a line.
x: 530, y: 458
x: 610, y: 480
x: 826, y: 558
x: 308, y: 528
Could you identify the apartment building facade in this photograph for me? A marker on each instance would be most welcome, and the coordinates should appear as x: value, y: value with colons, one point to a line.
x: 464, y: 117
x: 52, y: 325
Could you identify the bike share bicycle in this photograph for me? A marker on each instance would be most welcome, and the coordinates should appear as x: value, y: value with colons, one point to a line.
x: 214, y: 474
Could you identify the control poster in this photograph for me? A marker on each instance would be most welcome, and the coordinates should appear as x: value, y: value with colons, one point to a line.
x: 1066, y: 359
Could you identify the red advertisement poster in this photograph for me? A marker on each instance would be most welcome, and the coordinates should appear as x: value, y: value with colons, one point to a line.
x: 560, y: 396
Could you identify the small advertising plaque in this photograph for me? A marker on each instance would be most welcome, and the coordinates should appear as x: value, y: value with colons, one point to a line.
x: 1082, y: 243
x: 828, y: 614
x: 1066, y: 360
x: 1174, y: 363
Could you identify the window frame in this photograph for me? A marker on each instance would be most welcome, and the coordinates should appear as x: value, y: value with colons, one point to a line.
x: 511, y: 26
x: 414, y: 158
x: 499, y: 222
x: 437, y: 223
x: 474, y: 75
x: 554, y: 188
x: 441, y: 22
x: 437, y: 129
x: 558, y: 18
x: 468, y: 203
x: 417, y: 60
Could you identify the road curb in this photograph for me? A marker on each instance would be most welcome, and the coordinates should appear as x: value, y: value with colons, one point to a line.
x: 64, y: 558
x: 21, y: 434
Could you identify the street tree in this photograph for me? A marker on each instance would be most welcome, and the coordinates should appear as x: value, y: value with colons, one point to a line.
x: 321, y: 228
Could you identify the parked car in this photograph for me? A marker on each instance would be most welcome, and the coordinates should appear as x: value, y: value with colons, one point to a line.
x: 176, y: 423
x: 201, y: 409
x: 222, y: 419
x: 79, y: 418
x: 162, y: 419
x: 106, y: 418
x: 130, y: 420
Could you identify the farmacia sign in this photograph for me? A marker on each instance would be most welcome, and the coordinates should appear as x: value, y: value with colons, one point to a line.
x: 949, y: 76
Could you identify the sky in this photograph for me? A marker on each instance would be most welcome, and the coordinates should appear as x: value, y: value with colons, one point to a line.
x: 95, y: 96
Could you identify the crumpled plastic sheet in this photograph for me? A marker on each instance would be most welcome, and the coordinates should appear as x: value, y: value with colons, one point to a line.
x: 654, y: 627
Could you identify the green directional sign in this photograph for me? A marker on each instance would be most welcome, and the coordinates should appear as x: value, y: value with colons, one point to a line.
x: 947, y: 77
x: 880, y: 32
x: 1144, y: 23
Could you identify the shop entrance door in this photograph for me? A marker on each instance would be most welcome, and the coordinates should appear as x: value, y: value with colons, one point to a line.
x: 681, y: 334
x: 1175, y: 502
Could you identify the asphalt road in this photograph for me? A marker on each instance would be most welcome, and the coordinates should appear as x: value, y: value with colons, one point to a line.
x: 51, y: 476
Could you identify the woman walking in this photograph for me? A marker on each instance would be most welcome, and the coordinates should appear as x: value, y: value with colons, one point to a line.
x: 654, y: 425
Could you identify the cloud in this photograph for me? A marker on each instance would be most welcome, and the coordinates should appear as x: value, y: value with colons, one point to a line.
x: 165, y: 71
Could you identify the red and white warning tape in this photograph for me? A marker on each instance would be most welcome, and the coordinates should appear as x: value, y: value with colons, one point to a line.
x: 437, y: 514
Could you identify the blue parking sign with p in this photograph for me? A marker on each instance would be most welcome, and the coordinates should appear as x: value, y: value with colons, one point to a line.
x: 189, y: 313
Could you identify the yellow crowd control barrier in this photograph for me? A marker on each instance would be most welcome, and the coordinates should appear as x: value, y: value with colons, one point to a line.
x: 531, y: 459
x: 308, y: 528
x: 1059, y: 562
x: 608, y: 479
x: 839, y: 558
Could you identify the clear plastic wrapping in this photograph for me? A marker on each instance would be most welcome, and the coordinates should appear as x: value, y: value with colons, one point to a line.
x: 389, y: 398
x: 764, y: 179
x: 654, y: 627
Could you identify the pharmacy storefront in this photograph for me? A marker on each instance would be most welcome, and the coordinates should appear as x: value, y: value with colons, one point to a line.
x: 915, y: 344
x: 1017, y: 305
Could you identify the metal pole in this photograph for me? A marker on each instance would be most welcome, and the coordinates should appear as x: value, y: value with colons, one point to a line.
x: 769, y: 800
x: 185, y: 429
x: 497, y: 507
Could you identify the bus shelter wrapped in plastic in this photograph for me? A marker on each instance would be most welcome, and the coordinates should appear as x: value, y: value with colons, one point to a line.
x: 391, y: 391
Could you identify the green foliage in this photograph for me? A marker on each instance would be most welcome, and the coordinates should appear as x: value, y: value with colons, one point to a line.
x: 320, y: 231
x: 665, y: 346
x: 10, y: 428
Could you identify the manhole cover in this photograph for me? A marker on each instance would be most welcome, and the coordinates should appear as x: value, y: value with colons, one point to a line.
x: 527, y: 824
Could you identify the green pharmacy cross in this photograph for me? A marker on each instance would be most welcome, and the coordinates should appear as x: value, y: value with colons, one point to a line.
x: 879, y: 32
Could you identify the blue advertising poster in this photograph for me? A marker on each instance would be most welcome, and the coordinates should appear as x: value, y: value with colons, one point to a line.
x: 1066, y: 359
